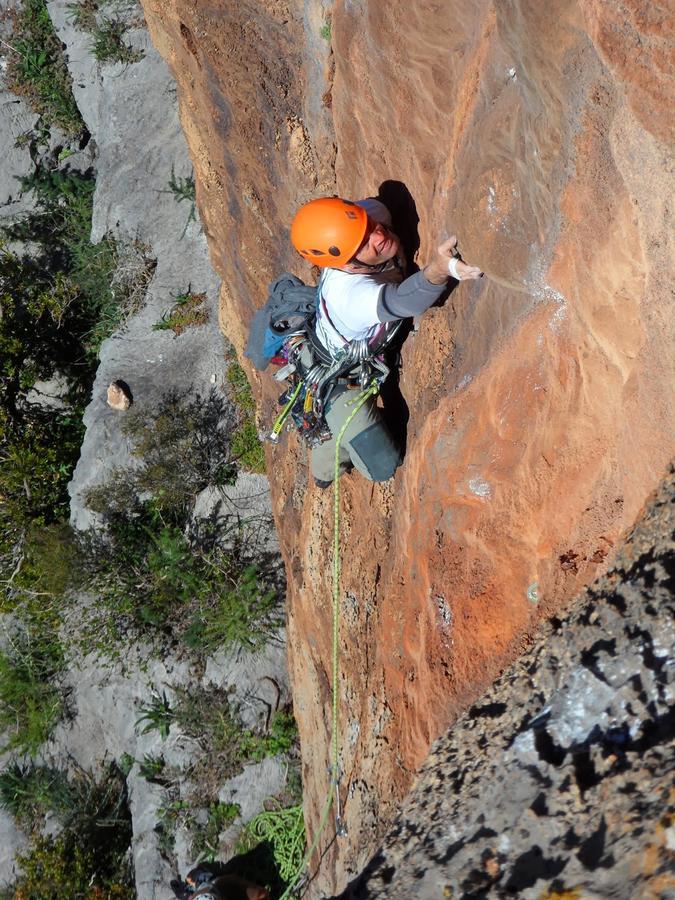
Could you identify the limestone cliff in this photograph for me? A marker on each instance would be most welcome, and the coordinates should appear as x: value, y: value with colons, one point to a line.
x: 535, y: 403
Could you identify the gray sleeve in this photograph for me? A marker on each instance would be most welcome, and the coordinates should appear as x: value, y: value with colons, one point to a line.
x: 409, y: 298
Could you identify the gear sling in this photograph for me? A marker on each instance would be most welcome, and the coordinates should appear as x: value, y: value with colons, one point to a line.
x: 314, y: 371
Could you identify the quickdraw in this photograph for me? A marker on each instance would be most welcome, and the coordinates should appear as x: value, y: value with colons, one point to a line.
x: 307, y: 398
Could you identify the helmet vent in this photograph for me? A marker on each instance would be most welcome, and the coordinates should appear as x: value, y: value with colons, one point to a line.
x: 316, y: 252
x: 334, y: 251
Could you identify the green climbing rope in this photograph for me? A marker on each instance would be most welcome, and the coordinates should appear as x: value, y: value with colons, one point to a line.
x: 357, y: 403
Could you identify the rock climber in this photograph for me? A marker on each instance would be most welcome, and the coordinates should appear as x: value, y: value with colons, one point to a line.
x: 362, y: 288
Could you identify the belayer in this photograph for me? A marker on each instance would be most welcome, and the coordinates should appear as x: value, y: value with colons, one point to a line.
x: 208, y: 882
x: 331, y: 341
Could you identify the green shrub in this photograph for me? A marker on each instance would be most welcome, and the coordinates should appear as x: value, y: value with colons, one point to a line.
x: 54, y: 301
x: 29, y: 792
x: 62, y: 224
x: 39, y: 455
x: 89, y: 859
x: 108, y: 45
x: 125, y: 764
x: 57, y: 306
x: 236, y: 611
x: 51, y: 301
x: 156, y: 716
x: 281, y: 738
x: 184, y: 446
x: 159, y: 569
x: 58, y: 301
x: 34, y: 336
x: 152, y: 768
x: 283, y: 734
x: 31, y: 703
x: 326, y: 31
x: 185, y: 313
x: 202, y: 597
x: 184, y: 189
x: 240, y: 389
x: 58, y: 867
x: 37, y: 69
x: 173, y: 813
x: 246, y: 446
x: 37, y: 555
x: 205, y: 843
x: 83, y: 14
x: 152, y: 579
x: 107, y: 33
x: 51, y: 562
x: 205, y: 715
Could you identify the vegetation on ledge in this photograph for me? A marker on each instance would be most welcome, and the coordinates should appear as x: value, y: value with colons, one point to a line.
x: 37, y: 69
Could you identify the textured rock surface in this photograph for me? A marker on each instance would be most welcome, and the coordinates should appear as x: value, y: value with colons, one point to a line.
x: 132, y: 115
x: 561, y: 777
x: 242, y: 505
x: 12, y: 842
x: 105, y: 703
x: 136, y: 143
x: 536, y: 401
x: 15, y: 162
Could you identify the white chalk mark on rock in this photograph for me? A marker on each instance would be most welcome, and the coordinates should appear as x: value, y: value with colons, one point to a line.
x: 480, y: 487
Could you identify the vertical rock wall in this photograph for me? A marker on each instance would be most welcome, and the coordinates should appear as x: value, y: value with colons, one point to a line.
x: 559, y: 781
x: 537, y: 399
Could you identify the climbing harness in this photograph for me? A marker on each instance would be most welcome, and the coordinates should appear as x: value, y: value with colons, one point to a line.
x: 314, y: 372
x: 333, y: 796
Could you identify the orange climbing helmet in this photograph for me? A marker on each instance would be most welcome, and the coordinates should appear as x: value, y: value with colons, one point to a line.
x: 329, y: 231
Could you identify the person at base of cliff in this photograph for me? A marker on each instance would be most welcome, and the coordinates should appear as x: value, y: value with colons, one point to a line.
x: 362, y: 289
x: 206, y: 882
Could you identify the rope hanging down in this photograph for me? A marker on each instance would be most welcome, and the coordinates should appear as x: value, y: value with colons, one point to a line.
x: 333, y: 792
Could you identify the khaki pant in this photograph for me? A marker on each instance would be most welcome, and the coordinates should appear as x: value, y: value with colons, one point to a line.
x: 366, y: 443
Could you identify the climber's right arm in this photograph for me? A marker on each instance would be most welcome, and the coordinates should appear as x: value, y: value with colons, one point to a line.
x: 417, y: 293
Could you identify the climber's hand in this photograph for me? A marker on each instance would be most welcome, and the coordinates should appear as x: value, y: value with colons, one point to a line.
x: 439, y: 270
x: 460, y: 270
x: 466, y: 272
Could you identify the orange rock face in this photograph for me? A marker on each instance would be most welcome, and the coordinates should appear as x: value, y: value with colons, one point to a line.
x: 539, y: 400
